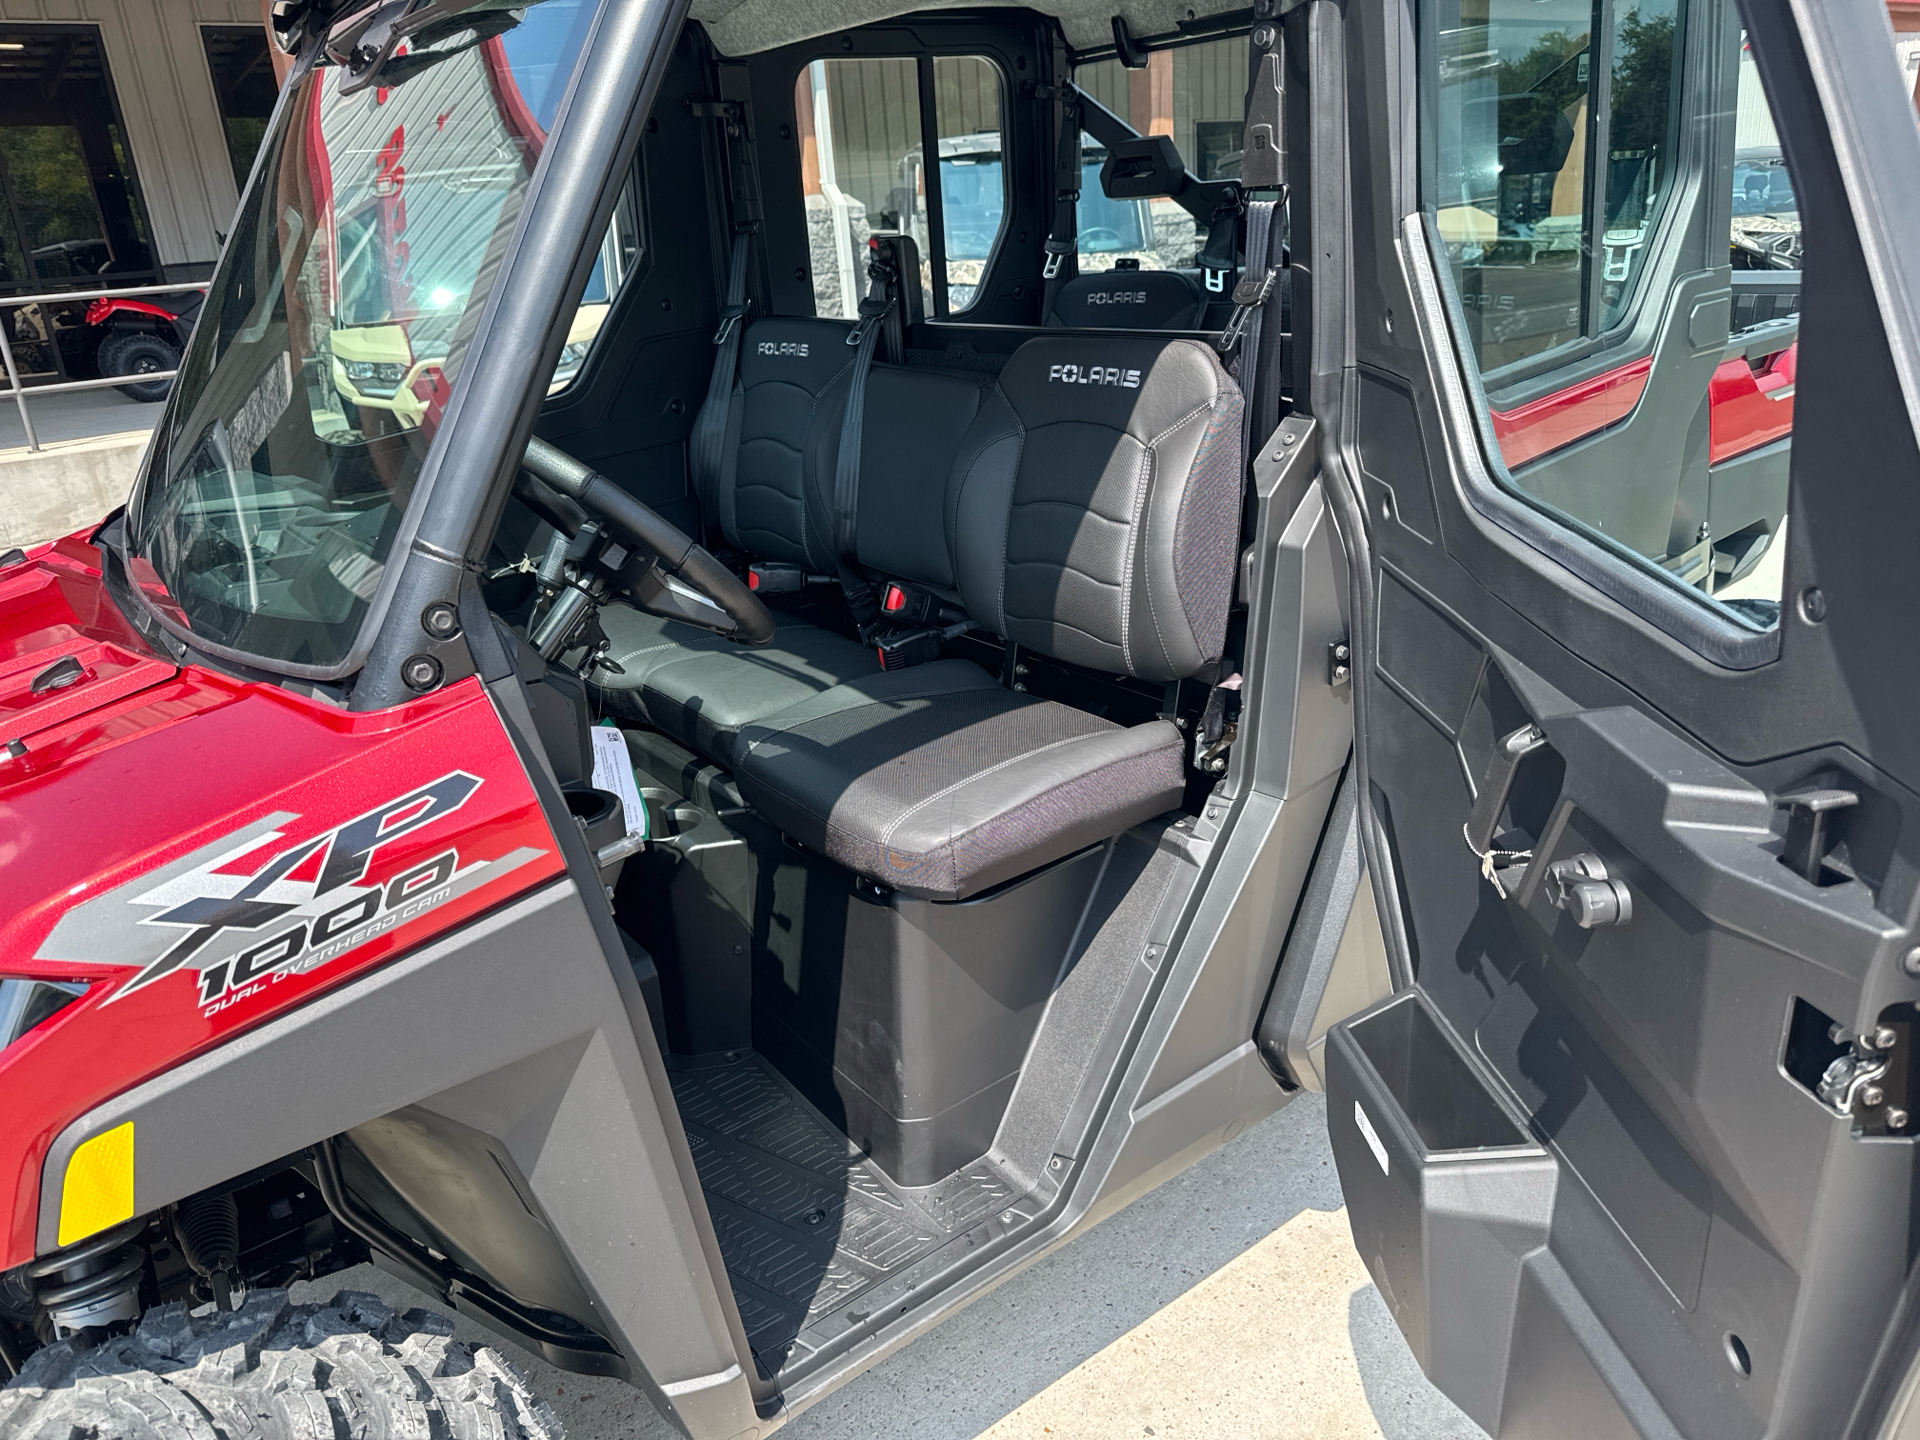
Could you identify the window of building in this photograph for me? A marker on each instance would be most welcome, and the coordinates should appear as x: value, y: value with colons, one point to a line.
x: 1194, y: 94
x: 1637, y: 386
x: 70, y: 207
x: 863, y: 133
x: 243, y: 88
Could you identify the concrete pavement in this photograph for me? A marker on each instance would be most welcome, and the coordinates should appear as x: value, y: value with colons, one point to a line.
x: 1227, y: 1303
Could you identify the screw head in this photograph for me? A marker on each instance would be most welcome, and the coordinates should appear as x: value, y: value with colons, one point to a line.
x: 1896, y: 1119
x: 1263, y: 37
x: 1813, y: 604
x: 1885, y: 1038
x: 420, y: 673
x: 1871, y: 1095
x: 1910, y: 962
x: 440, y: 620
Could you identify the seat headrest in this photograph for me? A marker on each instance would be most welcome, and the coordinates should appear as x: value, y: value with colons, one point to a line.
x: 1128, y: 300
x: 1136, y: 384
x: 803, y: 352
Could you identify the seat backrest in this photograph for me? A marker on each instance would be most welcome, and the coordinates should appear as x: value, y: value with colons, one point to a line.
x: 914, y: 423
x: 1129, y: 300
x: 1094, y: 506
x: 783, y: 418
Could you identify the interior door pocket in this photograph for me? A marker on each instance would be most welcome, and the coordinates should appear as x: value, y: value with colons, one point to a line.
x: 1446, y: 1192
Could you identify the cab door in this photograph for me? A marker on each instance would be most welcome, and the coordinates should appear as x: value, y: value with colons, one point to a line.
x: 1630, y: 1148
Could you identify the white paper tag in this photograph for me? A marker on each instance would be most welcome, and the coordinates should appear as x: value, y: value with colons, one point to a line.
x: 613, y: 770
x: 1373, y: 1140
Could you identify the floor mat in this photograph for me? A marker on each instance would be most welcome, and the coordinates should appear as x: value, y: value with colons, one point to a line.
x: 813, y: 1234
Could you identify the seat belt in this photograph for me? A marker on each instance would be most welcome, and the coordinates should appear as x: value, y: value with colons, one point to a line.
x: 1259, y: 276
x: 707, y: 446
x: 1062, y: 240
x: 874, y: 309
x: 709, y: 440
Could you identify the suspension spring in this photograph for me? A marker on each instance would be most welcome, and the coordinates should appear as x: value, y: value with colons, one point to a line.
x: 96, y: 1282
x: 208, y: 1229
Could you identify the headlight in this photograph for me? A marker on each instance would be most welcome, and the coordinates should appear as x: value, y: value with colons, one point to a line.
x: 26, y: 1003
x: 371, y: 370
x: 571, y: 359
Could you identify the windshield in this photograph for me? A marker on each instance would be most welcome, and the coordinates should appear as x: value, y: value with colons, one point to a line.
x: 336, y: 326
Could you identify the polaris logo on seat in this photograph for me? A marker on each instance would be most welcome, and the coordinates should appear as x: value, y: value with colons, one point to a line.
x: 1118, y: 297
x: 784, y: 347
x: 1094, y: 375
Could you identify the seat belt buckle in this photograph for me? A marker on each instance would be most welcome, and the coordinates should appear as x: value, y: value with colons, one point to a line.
x: 902, y: 648
x: 1248, y: 296
x: 775, y: 579
x: 1057, y: 251
x: 907, y: 604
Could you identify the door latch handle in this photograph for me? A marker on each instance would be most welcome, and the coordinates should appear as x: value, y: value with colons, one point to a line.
x: 1581, y: 887
x: 1492, y: 799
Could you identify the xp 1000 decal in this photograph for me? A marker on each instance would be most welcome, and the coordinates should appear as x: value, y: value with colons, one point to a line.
x: 273, y: 900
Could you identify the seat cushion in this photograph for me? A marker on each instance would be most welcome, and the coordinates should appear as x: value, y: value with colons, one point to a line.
x: 938, y: 782
x: 701, y: 689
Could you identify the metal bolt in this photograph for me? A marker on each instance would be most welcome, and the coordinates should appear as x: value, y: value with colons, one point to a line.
x: 1871, y: 1095
x: 1006, y: 1217
x: 1896, y: 1119
x: 1910, y: 962
x: 1288, y: 438
x: 1263, y: 37
x: 1217, y: 765
x: 1885, y: 1038
x: 440, y: 620
x: 1181, y: 824
x: 1813, y: 604
x: 1153, y: 952
x: 420, y: 672
x: 1055, y: 1163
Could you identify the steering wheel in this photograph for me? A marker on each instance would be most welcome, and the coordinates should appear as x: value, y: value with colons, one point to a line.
x: 1108, y: 238
x: 562, y: 491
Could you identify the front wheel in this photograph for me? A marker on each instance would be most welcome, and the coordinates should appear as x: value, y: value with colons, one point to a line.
x: 275, y: 1371
x: 138, y: 353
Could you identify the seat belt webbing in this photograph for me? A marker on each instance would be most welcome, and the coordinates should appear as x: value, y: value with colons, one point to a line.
x: 864, y: 336
x: 1062, y: 240
x: 1259, y: 275
x: 709, y: 441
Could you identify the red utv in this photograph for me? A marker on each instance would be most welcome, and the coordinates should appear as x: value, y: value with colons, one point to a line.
x: 706, y: 843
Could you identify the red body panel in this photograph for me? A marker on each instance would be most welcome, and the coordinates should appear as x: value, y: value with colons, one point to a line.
x: 100, y: 310
x: 177, y: 775
x: 1747, y: 408
x: 1529, y: 431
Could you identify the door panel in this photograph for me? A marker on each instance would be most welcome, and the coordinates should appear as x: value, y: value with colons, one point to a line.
x: 1629, y: 1151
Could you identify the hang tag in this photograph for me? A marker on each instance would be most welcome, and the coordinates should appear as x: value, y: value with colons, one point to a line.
x: 613, y: 770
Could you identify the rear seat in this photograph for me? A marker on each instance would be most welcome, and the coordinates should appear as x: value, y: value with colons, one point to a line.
x: 771, y: 501
x: 1091, y: 513
x: 1130, y: 300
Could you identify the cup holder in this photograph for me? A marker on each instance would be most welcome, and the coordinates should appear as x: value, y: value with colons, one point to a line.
x: 673, y: 817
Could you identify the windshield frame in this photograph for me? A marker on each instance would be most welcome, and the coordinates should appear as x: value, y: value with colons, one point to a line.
x: 448, y: 438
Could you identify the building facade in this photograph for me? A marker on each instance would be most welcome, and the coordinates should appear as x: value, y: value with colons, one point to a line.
x: 126, y: 127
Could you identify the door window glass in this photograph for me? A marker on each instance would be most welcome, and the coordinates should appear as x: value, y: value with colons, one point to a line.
x: 863, y: 169
x: 1196, y: 95
x: 1618, y: 398
x: 973, y: 185
x: 619, y: 254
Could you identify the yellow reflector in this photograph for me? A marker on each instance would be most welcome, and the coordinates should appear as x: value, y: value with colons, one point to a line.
x: 98, y: 1190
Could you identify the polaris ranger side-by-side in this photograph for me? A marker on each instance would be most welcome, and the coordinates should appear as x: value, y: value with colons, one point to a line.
x: 702, y: 737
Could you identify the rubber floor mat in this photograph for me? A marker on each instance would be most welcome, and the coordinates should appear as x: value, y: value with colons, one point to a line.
x: 814, y: 1235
